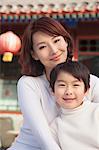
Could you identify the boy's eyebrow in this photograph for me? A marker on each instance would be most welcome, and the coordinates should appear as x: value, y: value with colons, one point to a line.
x: 76, y: 80
x: 60, y: 80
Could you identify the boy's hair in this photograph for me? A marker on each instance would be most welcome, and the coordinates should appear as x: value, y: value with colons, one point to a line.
x: 76, y: 69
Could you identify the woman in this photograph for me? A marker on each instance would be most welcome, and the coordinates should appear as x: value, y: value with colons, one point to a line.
x: 45, y: 44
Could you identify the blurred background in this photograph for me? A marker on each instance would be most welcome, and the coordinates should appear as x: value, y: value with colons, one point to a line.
x: 80, y: 18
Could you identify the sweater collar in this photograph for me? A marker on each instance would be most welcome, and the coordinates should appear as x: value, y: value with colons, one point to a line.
x: 84, y: 105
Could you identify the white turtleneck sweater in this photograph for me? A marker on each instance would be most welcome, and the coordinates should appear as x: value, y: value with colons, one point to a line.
x: 78, y: 129
x: 39, y: 109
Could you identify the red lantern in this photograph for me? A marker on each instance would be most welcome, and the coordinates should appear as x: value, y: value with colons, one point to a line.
x: 9, y: 42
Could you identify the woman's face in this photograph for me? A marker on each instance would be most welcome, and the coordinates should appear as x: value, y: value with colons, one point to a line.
x: 50, y: 50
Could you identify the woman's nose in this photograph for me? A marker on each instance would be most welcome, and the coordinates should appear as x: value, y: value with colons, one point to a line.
x: 53, y: 48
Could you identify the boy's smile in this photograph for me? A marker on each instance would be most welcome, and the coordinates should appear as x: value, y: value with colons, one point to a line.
x: 69, y: 91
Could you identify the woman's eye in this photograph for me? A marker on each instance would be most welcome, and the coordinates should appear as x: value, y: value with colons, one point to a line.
x: 57, y: 40
x: 41, y: 47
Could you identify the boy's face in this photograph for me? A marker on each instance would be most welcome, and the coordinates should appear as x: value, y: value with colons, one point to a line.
x: 69, y: 91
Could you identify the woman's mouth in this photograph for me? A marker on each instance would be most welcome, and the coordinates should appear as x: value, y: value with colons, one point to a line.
x: 56, y: 57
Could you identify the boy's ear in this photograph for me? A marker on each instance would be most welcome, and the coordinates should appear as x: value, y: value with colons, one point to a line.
x: 87, y: 92
x: 52, y: 92
x: 34, y: 55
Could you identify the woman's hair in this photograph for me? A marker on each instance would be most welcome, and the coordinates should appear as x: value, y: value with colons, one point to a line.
x: 76, y: 69
x: 49, y: 26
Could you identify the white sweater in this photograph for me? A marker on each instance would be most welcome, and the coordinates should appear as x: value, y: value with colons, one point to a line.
x: 39, y: 109
x: 78, y: 129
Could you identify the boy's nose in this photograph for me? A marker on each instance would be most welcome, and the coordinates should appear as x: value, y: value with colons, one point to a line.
x: 68, y: 91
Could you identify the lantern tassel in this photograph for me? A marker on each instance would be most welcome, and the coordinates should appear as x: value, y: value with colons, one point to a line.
x: 7, y: 57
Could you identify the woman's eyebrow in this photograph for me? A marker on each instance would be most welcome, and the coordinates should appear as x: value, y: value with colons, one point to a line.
x: 44, y: 42
x: 40, y: 43
x: 55, y: 36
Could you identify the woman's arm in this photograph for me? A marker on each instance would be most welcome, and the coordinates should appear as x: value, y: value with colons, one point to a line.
x: 94, y: 88
x: 29, y: 100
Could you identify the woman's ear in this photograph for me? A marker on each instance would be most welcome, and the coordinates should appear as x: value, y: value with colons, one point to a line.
x: 34, y: 55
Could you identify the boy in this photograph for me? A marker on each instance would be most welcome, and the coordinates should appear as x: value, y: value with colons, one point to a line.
x: 77, y: 126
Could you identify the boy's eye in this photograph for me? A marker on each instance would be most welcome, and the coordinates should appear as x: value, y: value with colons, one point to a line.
x: 61, y: 85
x: 76, y: 85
